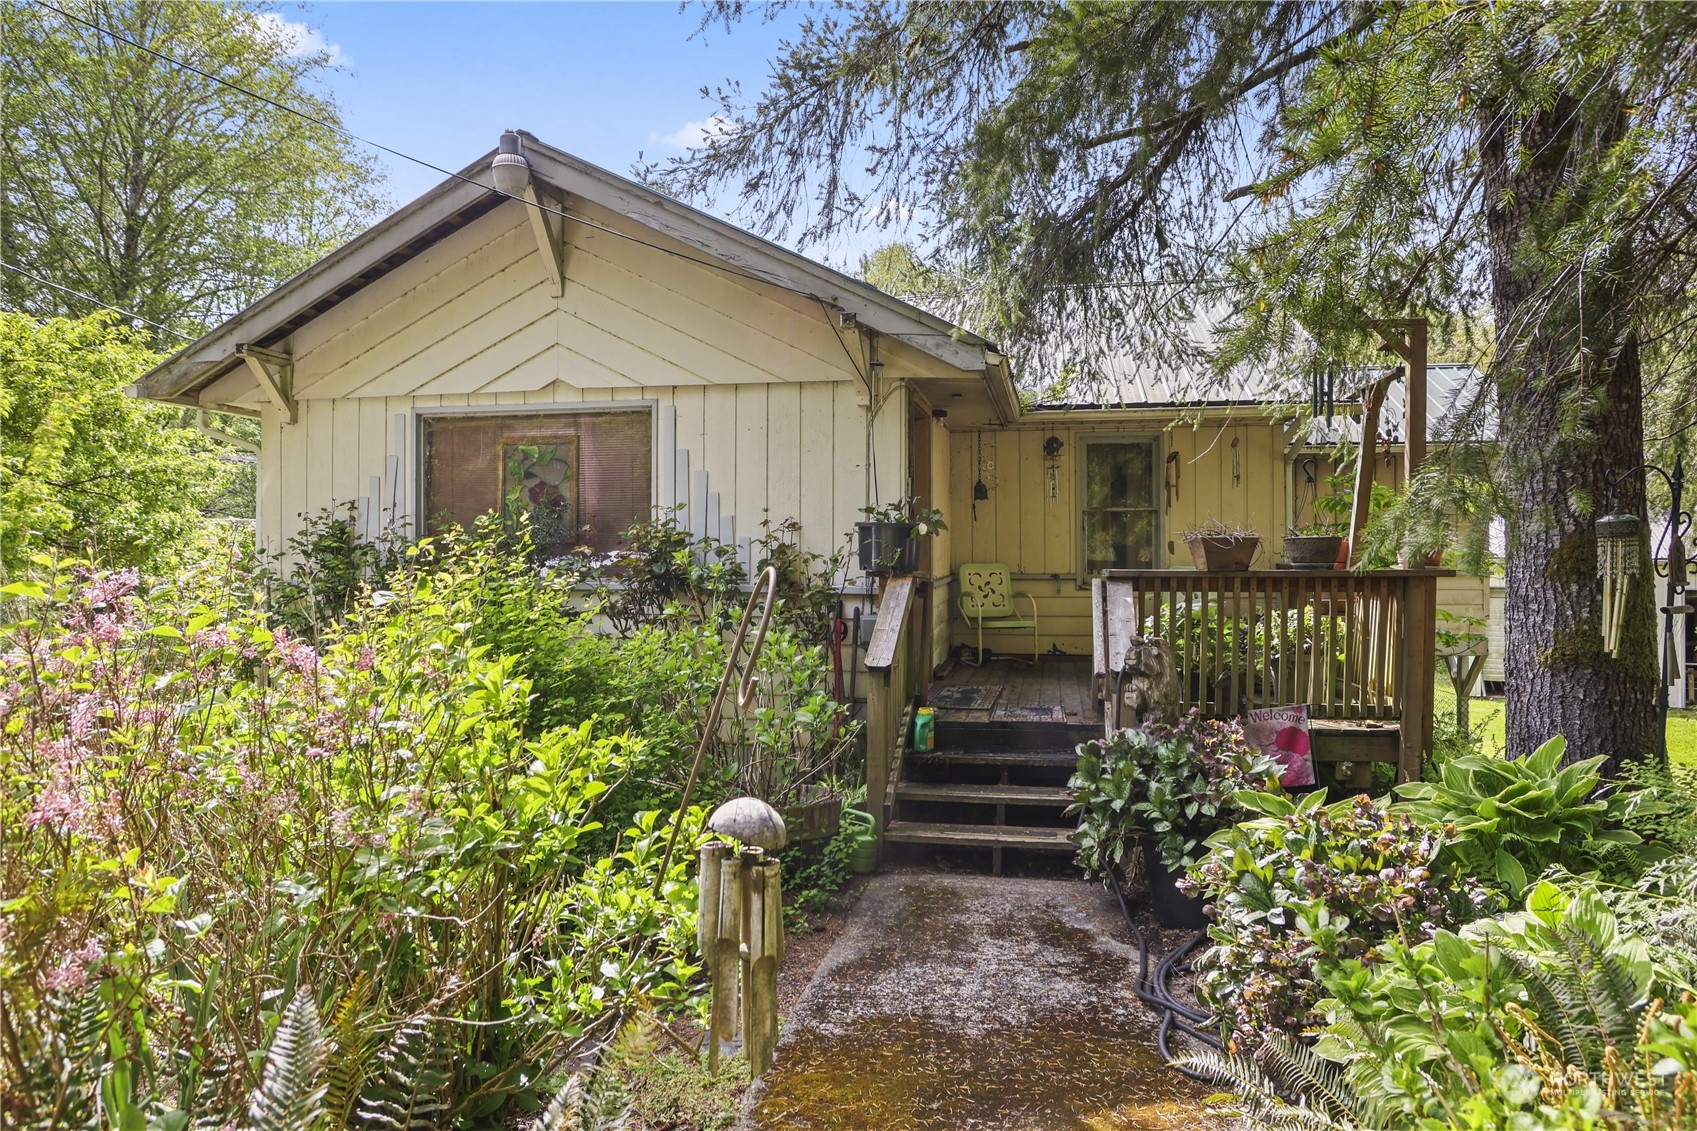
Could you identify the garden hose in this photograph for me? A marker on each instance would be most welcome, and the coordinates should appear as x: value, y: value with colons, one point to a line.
x: 1154, y: 993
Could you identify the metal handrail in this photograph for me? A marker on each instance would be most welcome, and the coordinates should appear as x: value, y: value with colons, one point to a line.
x: 745, y: 694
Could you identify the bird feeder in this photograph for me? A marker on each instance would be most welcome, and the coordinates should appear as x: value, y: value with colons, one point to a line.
x: 1619, y: 560
x: 740, y: 928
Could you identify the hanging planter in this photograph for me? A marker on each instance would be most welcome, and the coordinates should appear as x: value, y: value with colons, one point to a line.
x: 887, y: 547
x: 888, y: 540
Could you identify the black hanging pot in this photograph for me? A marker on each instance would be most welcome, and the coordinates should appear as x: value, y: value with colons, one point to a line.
x: 887, y: 547
x: 1173, y: 908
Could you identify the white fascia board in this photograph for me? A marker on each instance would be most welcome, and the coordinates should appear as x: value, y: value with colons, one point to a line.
x: 215, y: 351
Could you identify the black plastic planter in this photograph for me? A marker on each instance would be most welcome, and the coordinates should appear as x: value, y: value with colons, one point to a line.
x: 1172, y: 907
x: 887, y: 547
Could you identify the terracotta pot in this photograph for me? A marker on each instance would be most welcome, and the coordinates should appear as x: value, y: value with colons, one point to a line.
x: 1222, y: 553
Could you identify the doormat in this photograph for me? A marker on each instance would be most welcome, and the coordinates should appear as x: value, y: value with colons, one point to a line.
x: 962, y: 697
x: 1037, y: 713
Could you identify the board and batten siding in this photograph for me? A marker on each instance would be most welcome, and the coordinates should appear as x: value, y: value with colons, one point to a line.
x: 1227, y: 470
x: 758, y: 410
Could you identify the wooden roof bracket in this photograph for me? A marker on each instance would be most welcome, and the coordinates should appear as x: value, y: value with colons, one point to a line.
x: 549, y: 228
x: 275, y: 373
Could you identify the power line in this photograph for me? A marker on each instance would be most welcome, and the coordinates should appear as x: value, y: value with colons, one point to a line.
x: 350, y: 135
x: 95, y: 301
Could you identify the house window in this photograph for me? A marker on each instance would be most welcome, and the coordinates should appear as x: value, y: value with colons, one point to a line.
x: 581, y: 478
x: 1119, y: 505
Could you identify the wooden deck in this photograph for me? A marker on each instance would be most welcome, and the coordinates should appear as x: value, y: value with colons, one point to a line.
x: 1016, y: 692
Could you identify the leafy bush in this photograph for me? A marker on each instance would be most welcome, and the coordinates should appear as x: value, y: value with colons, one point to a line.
x: 1548, y: 1017
x: 219, y: 814
x: 1173, y: 783
x: 814, y: 871
x: 664, y: 575
x: 85, y: 466
x: 1307, y: 886
x: 1507, y: 822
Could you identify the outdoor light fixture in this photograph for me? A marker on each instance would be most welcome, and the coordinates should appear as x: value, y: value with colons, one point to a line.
x: 510, y: 170
x: 1618, y: 561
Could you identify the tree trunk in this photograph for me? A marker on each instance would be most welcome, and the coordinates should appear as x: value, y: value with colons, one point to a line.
x: 1571, y: 402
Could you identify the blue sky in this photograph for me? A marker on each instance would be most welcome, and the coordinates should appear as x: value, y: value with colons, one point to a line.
x: 606, y: 81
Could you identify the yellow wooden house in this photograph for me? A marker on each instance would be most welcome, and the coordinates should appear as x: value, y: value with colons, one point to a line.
x: 539, y: 329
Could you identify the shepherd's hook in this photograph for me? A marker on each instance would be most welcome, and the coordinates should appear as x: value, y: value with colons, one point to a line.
x: 768, y: 583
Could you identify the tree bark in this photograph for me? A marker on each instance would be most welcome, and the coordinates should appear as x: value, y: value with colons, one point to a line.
x: 1570, y: 395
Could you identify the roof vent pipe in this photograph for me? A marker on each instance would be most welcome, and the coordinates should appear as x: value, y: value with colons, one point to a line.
x: 510, y: 170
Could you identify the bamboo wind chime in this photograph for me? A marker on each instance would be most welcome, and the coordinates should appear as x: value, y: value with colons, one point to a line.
x: 740, y: 928
x: 740, y: 912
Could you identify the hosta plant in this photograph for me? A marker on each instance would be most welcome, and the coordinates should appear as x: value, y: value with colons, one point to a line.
x: 1175, y: 784
x: 1307, y: 886
x: 1507, y: 822
x: 1548, y: 1017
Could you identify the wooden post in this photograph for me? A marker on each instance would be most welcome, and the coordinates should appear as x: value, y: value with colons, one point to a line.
x: 1419, y: 672
x: 1414, y: 402
x: 1372, y: 400
x: 887, y: 695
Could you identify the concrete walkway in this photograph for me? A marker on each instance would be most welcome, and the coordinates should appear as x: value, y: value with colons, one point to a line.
x: 961, y: 1001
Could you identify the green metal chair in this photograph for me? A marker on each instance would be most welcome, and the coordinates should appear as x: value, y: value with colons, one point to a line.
x: 987, y: 602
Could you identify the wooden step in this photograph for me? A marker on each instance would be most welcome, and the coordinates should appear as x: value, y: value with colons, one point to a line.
x: 984, y: 794
x: 1064, y: 759
x: 980, y: 836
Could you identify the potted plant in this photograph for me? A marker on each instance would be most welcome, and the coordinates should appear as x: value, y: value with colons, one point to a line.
x: 1220, y: 548
x: 888, y: 539
x: 1317, y: 544
x: 1165, y: 789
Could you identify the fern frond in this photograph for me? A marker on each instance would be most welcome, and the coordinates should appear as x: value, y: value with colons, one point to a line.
x: 608, y: 1106
x: 597, y: 1101
x: 1303, y: 1073
x: 290, y: 1096
x: 1559, y: 1012
x: 407, y: 1096
x: 1264, y: 1105
x: 562, y: 1109
x: 1602, y: 982
x: 353, y: 1051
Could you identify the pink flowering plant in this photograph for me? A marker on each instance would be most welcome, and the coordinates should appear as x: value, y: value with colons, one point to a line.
x: 207, y: 818
x: 1307, y: 886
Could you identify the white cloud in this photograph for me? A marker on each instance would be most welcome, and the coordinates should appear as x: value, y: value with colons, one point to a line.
x: 892, y: 212
x: 299, y: 39
x: 692, y: 134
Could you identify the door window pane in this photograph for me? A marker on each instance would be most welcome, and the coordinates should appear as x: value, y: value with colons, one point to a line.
x: 1119, y: 505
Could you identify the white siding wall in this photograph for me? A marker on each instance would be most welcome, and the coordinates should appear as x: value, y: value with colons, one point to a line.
x: 749, y: 383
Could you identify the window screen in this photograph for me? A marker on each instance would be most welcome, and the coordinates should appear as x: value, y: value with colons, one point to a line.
x: 1119, y: 505
x: 581, y: 477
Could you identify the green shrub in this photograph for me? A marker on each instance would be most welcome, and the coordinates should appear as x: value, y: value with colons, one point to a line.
x: 1548, y: 1017
x: 1173, y: 783
x: 1507, y: 822
x: 1307, y: 886
x: 219, y: 814
x: 814, y: 871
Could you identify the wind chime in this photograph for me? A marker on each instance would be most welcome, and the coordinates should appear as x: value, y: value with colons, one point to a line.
x: 740, y: 916
x: 1322, y: 391
x: 1619, y: 561
x: 740, y: 929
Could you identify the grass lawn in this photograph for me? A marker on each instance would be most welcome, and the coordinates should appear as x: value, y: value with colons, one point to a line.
x: 1488, y: 722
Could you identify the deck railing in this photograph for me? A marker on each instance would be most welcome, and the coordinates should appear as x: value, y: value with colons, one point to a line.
x: 1353, y: 646
x: 897, y: 663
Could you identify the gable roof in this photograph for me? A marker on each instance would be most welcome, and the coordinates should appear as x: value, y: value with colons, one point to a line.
x: 470, y: 193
